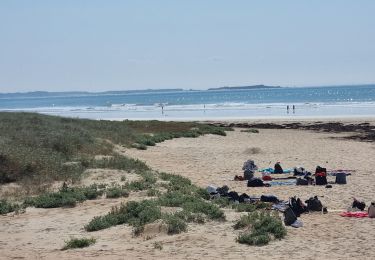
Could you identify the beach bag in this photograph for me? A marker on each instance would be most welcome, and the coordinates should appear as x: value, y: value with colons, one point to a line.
x: 299, y: 171
x: 341, y: 178
x: 278, y: 169
x: 314, y: 204
x: 320, y: 180
x: 248, y: 174
x: 359, y: 205
x: 297, y: 206
x: 211, y: 189
x: 320, y: 170
x: 242, y: 197
x: 269, y: 198
x: 301, y: 181
x: 371, y: 210
x: 289, y: 217
x: 233, y: 196
x: 255, y: 182
x: 223, y: 191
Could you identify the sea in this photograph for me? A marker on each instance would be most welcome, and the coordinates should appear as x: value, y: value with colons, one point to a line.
x: 219, y: 104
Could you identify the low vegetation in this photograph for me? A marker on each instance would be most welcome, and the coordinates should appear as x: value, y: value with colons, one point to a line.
x: 78, y: 243
x: 259, y: 228
x: 180, y: 193
x: 39, y: 149
x: 45, y: 148
x: 246, y: 207
x: 132, y: 213
x: 65, y: 197
x: 116, y: 192
x: 7, y: 207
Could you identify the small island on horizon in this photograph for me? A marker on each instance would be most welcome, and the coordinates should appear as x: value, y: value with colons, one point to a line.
x: 244, y: 87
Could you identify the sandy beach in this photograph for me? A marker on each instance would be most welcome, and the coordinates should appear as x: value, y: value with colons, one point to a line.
x: 212, y: 159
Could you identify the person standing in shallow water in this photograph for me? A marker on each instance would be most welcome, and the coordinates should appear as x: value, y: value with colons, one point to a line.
x: 294, y: 108
x: 287, y: 109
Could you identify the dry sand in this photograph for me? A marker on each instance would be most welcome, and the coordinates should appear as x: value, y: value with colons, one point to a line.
x: 211, y: 159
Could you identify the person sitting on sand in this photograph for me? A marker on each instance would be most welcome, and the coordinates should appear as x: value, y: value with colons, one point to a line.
x: 371, y: 210
x: 278, y: 168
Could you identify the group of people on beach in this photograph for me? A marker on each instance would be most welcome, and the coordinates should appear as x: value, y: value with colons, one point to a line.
x: 293, y: 107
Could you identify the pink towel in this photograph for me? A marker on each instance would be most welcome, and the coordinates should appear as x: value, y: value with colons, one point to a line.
x: 357, y: 214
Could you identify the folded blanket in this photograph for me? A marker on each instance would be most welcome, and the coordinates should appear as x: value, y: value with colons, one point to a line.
x: 356, y: 214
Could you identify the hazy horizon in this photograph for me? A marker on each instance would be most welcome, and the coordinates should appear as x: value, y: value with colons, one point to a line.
x: 99, y: 46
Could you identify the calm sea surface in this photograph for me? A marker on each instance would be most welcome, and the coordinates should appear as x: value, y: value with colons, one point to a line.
x: 345, y: 101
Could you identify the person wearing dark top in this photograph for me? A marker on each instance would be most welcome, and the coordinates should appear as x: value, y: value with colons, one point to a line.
x: 278, y: 168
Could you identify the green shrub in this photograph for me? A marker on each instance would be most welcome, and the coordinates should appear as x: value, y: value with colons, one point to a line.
x: 158, y: 245
x: 254, y: 239
x: 175, y: 224
x: 101, y: 222
x: 78, y: 243
x: 210, y: 210
x: 116, y: 192
x: 222, y: 202
x: 260, y: 227
x: 191, y: 217
x: 133, y: 213
x: 7, y: 207
x: 152, y: 192
x: 121, y: 163
x: 65, y: 197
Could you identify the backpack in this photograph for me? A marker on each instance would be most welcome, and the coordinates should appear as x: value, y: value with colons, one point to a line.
x: 233, y: 196
x: 255, y: 182
x: 223, y: 191
x: 242, y: 197
x: 314, y: 204
x: 341, y: 178
x: 269, y: 198
x: 289, y: 217
x: 359, y: 205
x: 320, y: 180
x: 320, y: 170
x: 296, y: 206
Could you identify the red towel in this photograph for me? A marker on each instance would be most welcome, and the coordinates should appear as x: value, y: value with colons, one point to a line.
x: 357, y: 214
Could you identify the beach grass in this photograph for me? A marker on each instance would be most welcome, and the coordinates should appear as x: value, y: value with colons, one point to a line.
x: 260, y: 227
x: 40, y: 148
x: 78, y: 243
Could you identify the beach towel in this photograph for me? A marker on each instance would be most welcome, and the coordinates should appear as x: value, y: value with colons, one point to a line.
x: 283, y: 183
x: 271, y: 170
x: 356, y: 214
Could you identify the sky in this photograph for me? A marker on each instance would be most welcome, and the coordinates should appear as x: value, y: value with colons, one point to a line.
x: 92, y: 45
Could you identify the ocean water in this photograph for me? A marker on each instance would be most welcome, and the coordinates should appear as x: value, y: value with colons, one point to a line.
x: 316, y: 102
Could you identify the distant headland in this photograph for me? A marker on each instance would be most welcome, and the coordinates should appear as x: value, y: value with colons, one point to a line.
x: 244, y: 87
